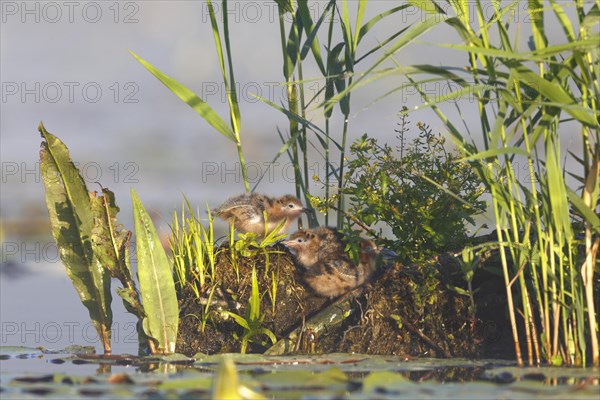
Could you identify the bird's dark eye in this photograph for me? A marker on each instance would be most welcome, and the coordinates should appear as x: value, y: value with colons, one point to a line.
x: 291, y: 205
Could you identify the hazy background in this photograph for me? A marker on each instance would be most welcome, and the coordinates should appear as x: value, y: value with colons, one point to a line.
x: 67, y: 64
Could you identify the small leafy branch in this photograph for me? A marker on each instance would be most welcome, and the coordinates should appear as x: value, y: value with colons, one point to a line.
x: 95, y: 248
x: 418, y: 190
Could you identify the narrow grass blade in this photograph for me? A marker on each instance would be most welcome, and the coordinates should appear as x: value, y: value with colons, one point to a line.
x: 71, y: 219
x: 299, y: 119
x: 371, y: 23
x: 191, y: 99
x: 312, y: 40
x: 156, y: 281
x: 230, y: 85
x: 588, y: 214
x: 555, y: 92
x: 493, y: 153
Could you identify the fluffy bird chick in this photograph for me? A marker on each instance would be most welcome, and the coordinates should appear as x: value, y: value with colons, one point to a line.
x: 326, y: 268
x: 247, y: 211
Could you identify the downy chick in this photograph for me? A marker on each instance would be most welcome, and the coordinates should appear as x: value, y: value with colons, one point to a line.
x: 248, y: 212
x: 325, y: 266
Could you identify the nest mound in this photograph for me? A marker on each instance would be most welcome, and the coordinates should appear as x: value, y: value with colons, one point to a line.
x: 405, y: 310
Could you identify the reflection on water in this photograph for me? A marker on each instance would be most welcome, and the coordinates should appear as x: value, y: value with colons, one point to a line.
x: 27, y: 371
x: 40, y: 307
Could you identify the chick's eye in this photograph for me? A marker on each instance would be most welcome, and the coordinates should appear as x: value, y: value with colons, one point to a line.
x: 291, y: 205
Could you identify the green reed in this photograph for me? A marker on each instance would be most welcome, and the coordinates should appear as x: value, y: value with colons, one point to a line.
x: 524, y: 99
x: 337, y: 61
x: 545, y: 227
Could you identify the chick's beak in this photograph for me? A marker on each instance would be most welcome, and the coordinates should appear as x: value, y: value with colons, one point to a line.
x: 289, y: 244
x: 306, y: 210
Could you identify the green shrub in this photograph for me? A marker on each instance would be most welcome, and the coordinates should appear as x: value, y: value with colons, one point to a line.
x: 419, y: 190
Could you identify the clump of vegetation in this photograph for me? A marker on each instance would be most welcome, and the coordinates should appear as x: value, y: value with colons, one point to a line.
x: 94, y: 248
x: 523, y: 99
x: 418, y: 190
x: 546, y: 230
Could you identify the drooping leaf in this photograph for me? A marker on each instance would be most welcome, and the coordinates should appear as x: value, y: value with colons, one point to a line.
x: 110, y: 243
x: 107, y: 237
x: 71, y: 219
x: 587, y: 213
x: 156, y: 281
x: 191, y: 99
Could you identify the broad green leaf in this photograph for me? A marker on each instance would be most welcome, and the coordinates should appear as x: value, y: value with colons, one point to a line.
x: 226, y: 384
x: 384, y: 380
x: 71, y: 219
x: 191, y: 99
x: 156, y: 281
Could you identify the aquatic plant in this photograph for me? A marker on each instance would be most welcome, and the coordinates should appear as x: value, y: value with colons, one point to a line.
x: 94, y: 248
x: 193, y: 248
x: 338, y: 68
x: 156, y: 282
x: 252, y: 321
x: 73, y: 219
x: 546, y: 227
x: 194, y: 253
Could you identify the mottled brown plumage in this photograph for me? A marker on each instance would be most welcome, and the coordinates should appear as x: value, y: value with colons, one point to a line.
x: 247, y: 211
x: 326, y: 268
